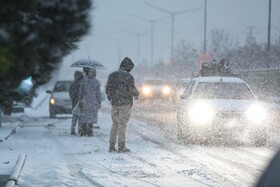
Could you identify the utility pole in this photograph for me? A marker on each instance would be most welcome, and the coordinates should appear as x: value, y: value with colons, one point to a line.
x: 152, y: 22
x: 173, y: 14
x: 205, y: 26
x: 138, y: 43
x: 269, y: 25
x: 117, y: 40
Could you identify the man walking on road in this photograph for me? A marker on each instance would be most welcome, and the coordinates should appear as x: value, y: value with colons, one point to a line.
x: 120, y: 90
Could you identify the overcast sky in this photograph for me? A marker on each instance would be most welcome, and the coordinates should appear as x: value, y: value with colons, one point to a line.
x: 116, y: 24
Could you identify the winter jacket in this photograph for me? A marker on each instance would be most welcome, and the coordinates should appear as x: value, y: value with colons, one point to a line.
x: 74, y: 88
x: 120, y: 87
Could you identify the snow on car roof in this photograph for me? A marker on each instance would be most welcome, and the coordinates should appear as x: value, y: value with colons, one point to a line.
x: 220, y: 79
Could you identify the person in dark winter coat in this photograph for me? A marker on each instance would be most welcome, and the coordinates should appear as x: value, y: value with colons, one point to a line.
x: 74, y: 96
x: 90, y: 101
x: 121, y: 90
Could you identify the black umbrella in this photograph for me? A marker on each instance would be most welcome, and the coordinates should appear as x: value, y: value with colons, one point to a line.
x: 89, y: 63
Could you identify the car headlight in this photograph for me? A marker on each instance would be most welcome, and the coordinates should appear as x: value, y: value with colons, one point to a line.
x: 147, y: 90
x: 256, y: 113
x: 201, y: 112
x: 52, y: 101
x: 166, y: 90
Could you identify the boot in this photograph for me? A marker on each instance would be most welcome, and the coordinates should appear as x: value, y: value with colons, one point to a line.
x: 112, y: 147
x: 89, y: 130
x: 83, y: 130
x: 122, y: 148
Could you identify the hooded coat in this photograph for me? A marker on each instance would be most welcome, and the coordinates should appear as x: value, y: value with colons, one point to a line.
x: 90, y: 95
x: 120, y: 87
x: 75, y: 87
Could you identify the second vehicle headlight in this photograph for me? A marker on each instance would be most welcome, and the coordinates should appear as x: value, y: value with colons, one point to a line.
x: 201, y: 112
x: 166, y: 90
x: 147, y: 90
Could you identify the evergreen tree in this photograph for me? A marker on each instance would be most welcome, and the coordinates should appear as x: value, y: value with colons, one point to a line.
x: 35, y: 36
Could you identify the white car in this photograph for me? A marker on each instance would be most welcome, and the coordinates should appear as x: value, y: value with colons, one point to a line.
x: 215, y: 107
x: 60, y: 102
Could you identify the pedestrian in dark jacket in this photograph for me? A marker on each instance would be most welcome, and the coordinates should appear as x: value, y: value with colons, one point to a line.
x: 90, y: 100
x: 74, y: 96
x: 121, y: 90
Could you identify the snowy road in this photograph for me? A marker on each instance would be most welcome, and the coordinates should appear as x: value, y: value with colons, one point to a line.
x: 55, y: 158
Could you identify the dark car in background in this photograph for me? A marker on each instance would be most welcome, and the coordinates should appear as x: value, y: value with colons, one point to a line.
x: 60, y: 102
x: 156, y: 89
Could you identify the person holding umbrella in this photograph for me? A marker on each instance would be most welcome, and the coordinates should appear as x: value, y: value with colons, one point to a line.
x: 120, y: 90
x: 90, y: 101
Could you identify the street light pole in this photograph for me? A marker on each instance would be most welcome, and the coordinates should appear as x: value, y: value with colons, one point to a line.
x: 152, y: 22
x: 173, y: 14
x: 138, y: 43
x: 269, y: 26
x: 205, y: 16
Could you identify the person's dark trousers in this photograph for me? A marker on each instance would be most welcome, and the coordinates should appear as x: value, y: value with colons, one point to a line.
x: 89, y: 129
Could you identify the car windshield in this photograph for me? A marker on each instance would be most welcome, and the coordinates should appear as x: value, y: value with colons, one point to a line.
x: 62, y: 86
x: 154, y: 82
x: 223, y: 90
x: 183, y: 84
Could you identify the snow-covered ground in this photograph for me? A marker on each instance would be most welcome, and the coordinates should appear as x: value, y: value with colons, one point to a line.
x: 56, y: 158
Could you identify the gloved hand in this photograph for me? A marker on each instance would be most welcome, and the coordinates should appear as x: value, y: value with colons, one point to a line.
x: 109, y: 97
x: 81, y: 104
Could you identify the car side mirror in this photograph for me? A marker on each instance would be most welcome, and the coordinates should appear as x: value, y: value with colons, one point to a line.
x: 49, y: 91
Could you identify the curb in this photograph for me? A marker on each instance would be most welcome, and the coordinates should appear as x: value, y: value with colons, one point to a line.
x: 13, y: 179
x: 13, y: 131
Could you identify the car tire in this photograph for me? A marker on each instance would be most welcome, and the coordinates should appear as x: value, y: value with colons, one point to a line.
x: 52, y: 114
x: 181, y: 134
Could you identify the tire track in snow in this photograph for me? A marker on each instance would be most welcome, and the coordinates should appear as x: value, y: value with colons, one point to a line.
x: 74, y: 164
x: 76, y: 172
x: 168, y: 170
x: 100, y: 175
x: 196, y: 166
x: 224, y: 161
